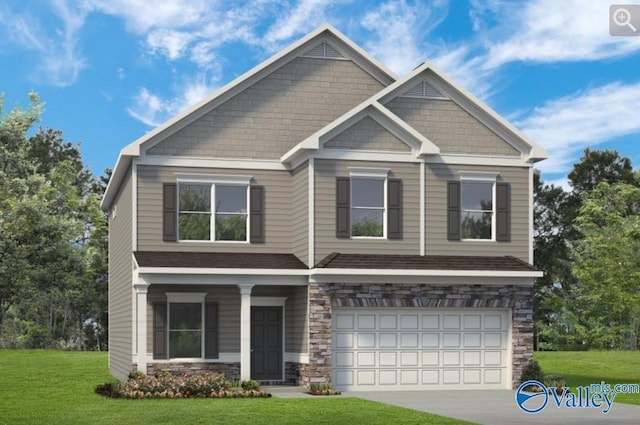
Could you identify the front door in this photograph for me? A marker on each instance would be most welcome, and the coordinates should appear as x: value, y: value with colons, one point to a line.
x: 266, y: 343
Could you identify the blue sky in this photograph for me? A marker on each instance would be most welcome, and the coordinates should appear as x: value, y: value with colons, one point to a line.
x: 110, y: 70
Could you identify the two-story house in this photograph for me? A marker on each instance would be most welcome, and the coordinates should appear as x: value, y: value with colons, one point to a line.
x: 320, y: 220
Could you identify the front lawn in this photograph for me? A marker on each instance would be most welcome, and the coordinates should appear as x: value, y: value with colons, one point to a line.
x: 591, y: 367
x: 56, y: 387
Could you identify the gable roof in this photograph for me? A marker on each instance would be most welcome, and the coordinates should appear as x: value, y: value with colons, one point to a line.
x: 440, y: 83
x: 307, y: 45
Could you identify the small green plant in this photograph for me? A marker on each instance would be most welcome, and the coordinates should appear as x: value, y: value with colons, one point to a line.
x: 317, y: 388
x: 250, y: 385
x: 137, y: 375
x: 109, y: 389
x: 556, y: 381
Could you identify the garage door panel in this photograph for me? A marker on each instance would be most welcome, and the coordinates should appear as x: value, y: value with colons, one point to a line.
x: 472, y: 321
x: 410, y: 349
x: 344, y: 340
x: 366, y: 321
x: 388, y: 321
x: 431, y: 340
x: 389, y: 359
x: 471, y: 376
x: 430, y: 358
x: 366, y: 358
x: 366, y: 340
x: 344, y: 321
x: 409, y: 358
x: 409, y: 321
x: 472, y: 340
x: 409, y: 340
x: 430, y: 321
x: 388, y: 340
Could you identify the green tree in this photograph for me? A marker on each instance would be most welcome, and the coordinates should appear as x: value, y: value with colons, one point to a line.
x: 607, y: 266
x: 48, y: 214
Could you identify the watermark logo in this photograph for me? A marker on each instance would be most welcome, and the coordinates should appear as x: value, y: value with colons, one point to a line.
x: 595, y: 396
x: 532, y: 402
x: 624, y: 20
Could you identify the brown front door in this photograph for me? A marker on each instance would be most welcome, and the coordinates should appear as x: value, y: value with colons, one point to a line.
x: 266, y: 343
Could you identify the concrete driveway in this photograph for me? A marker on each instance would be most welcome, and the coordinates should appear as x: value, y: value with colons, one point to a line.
x: 498, y: 407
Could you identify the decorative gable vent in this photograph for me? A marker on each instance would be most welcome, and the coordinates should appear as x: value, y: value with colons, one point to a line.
x: 324, y: 50
x: 424, y: 90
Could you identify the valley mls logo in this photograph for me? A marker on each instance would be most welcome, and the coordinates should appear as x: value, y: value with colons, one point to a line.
x: 595, y: 396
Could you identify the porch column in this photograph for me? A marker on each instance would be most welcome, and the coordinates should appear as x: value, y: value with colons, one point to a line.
x: 141, y: 324
x: 245, y: 331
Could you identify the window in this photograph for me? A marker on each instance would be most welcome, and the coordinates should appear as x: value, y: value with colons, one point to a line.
x: 185, y: 330
x: 477, y: 209
x: 368, y: 207
x: 197, y: 221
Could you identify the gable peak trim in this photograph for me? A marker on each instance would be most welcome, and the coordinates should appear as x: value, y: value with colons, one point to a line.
x: 324, y: 50
x: 424, y: 90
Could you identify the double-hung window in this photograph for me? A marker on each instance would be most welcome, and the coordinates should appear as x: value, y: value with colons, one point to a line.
x: 477, y: 209
x: 185, y: 330
x: 368, y: 213
x: 213, y: 211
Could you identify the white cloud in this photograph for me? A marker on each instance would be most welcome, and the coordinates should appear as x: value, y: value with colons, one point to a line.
x: 153, y: 109
x: 554, y: 31
x: 60, y: 58
x: 398, y: 31
x: 297, y: 20
x: 565, y: 126
x: 170, y: 43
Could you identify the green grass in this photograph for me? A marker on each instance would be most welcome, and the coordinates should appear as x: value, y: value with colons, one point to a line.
x: 56, y: 387
x: 591, y: 367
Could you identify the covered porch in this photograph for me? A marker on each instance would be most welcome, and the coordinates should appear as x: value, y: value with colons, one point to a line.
x: 191, y: 314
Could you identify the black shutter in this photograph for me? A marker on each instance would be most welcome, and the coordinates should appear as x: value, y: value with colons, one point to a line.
x: 343, y: 207
x: 211, y: 331
x: 503, y: 212
x: 394, y: 213
x: 453, y: 211
x: 169, y: 212
x: 256, y: 214
x: 159, y: 330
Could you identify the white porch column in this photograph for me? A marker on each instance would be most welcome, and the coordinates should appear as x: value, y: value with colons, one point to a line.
x: 245, y: 331
x: 141, y: 324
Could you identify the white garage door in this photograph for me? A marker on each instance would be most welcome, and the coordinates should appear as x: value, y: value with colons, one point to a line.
x: 418, y: 349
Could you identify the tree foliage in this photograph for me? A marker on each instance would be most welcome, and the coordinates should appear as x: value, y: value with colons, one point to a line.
x: 567, y: 315
x: 52, y: 267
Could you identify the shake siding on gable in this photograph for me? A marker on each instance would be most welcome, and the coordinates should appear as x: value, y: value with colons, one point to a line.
x: 120, y: 283
x: 450, y: 127
x: 272, y: 116
x: 326, y: 242
x: 437, y: 176
x: 278, y: 207
x: 300, y: 213
x: 367, y: 134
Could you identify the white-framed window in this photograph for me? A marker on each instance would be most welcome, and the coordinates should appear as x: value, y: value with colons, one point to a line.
x: 368, y: 199
x: 214, y: 210
x: 185, y: 318
x: 477, y: 212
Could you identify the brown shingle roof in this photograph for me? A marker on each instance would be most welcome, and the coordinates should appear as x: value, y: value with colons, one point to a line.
x: 218, y: 260
x: 419, y: 262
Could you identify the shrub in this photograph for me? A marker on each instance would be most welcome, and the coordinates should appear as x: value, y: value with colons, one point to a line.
x: 554, y: 381
x: 136, y: 375
x: 316, y: 388
x: 250, y: 385
x: 166, y: 385
x: 532, y: 371
x: 109, y: 389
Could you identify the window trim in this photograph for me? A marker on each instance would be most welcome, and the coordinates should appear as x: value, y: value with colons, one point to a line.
x: 212, y: 181
x: 364, y: 173
x: 186, y: 298
x: 479, y: 177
